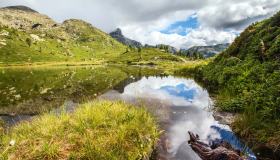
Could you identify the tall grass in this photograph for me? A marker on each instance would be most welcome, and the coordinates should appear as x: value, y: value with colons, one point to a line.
x: 96, y: 130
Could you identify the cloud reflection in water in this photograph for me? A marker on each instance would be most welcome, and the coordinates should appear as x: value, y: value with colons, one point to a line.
x: 180, y: 103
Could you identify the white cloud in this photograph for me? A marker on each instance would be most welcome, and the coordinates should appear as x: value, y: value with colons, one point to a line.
x: 152, y: 87
x: 208, y: 36
x: 200, y: 36
x: 236, y: 13
x: 220, y: 22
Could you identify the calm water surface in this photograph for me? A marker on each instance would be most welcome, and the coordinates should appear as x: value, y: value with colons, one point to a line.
x: 180, y: 105
x: 25, y: 92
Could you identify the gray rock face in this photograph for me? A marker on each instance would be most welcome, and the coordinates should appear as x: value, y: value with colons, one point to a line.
x: 167, y: 48
x: 117, y: 34
x: 205, y: 51
x: 24, y: 18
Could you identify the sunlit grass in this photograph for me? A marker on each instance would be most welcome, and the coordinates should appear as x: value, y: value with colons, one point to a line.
x: 96, y: 130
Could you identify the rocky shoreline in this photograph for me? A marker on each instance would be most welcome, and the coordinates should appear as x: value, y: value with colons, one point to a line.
x: 225, y: 118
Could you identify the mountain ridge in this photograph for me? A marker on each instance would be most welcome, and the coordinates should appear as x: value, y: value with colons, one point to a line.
x: 118, y: 35
x: 20, y: 7
x: 204, y: 51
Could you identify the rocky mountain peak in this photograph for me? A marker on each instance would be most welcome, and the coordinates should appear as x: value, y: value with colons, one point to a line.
x: 118, y: 35
x: 118, y: 30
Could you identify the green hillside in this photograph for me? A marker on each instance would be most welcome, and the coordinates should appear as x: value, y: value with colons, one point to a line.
x: 246, y: 79
x: 28, y: 37
x: 19, y: 46
x: 149, y: 56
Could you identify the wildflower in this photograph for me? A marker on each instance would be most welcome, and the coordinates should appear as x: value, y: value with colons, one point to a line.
x: 17, y: 97
x: 12, y: 142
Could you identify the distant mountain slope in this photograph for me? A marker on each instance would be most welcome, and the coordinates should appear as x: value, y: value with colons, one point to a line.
x: 167, y: 48
x: 118, y: 35
x: 28, y: 36
x: 163, y: 48
x: 204, y: 51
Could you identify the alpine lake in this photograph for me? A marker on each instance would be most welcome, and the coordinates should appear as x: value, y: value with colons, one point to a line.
x: 179, y: 104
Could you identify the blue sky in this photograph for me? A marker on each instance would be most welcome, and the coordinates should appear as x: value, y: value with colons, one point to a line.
x: 180, y: 90
x: 182, y: 27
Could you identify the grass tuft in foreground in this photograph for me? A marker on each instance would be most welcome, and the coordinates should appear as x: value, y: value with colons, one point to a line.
x: 96, y: 130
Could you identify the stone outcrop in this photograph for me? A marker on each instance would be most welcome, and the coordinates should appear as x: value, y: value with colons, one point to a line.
x: 118, y: 35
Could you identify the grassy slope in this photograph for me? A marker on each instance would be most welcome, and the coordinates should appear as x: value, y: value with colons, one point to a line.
x: 246, y: 79
x: 97, y: 130
x: 85, y: 44
x: 73, y: 40
x: 156, y: 57
x: 145, y: 56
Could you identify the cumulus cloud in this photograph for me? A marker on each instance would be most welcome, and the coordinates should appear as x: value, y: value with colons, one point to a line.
x: 201, y: 36
x: 143, y: 20
x: 208, y: 36
x: 236, y: 14
x: 220, y: 22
